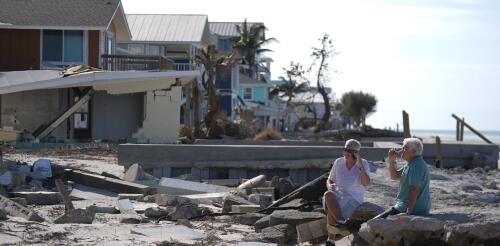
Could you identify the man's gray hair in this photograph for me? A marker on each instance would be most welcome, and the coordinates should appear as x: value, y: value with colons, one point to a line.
x: 353, y: 144
x: 415, y: 144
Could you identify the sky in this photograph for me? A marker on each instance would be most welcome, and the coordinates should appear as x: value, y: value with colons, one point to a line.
x: 429, y: 58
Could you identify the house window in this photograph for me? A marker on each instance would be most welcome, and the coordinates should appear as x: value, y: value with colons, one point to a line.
x: 136, y: 49
x: 247, y: 93
x: 153, y: 50
x: 62, y: 46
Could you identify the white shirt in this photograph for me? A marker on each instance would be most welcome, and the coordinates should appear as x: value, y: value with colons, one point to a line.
x: 349, y: 181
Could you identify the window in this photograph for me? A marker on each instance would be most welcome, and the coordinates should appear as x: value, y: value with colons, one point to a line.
x: 62, y: 46
x: 247, y: 93
x: 136, y: 49
x: 153, y: 50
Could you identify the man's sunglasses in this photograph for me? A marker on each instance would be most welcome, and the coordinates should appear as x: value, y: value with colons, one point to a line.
x: 350, y: 151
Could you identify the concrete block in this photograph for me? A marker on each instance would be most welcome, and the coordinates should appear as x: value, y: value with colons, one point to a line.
x: 39, y: 197
x: 169, y: 232
x: 136, y: 173
x: 76, y: 216
x: 19, y: 200
x: 110, y: 184
x: 17, y: 210
x: 245, y: 208
x: 91, y: 193
x: 314, y: 230
x: 135, y: 197
x: 263, y: 200
x: 126, y: 207
x: 184, y: 187
x: 208, y: 198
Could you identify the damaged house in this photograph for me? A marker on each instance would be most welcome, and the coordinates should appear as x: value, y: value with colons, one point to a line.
x: 131, y: 96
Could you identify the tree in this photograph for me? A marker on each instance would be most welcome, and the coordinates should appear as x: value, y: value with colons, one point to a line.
x: 250, y: 44
x: 357, y: 105
x: 211, y: 62
x: 321, y: 55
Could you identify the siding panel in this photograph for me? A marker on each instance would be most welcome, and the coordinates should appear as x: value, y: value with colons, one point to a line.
x: 19, y: 50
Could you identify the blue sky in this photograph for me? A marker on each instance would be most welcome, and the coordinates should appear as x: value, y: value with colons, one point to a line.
x: 430, y: 58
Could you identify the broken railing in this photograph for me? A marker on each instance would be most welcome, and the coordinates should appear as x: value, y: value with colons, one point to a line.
x: 460, y: 130
x: 136, y: 62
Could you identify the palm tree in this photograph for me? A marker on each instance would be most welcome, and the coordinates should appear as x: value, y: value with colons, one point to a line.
x: 211, y: 62
x: 250, y: 44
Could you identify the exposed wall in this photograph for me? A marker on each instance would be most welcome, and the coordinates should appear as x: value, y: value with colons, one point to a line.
x: 93, y: 49
x: 19, y: 50
x: 116, y: 117
x: 162, y: 121
x: 28, y: 110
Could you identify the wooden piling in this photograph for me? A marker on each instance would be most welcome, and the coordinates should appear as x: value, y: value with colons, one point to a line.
x: 406, y: 125
x: 462, y: 130
x: 64, y: 194
x: 472, y: 129
x: 439, y: 157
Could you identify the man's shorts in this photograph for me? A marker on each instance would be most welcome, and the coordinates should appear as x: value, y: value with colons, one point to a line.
x: 346, y: 202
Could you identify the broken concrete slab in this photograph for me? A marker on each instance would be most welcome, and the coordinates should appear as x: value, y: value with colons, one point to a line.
x: 91, y: 193
x: 314, y: 230
x: 19, y: 200
x: 262, y: 199
x: 102, y: 209
x: 135, y: 197
x: 248, y: 219
x: 169, y: 232
x: 39, y: 197
x: 136, y: 173
x: 262, y: 223
x: 185, y: 212
x: 156, y: 212
x: 110, y: 184
x: 245, y: 208
x: 16, y: 209
x: 293, y: 217
x: 280, y: 234
x: 231, y: 200
x: 206, y: 198
x: 169, y: 200
x: 125, y: 207
x: 183, y: 187
x: 264, y: 190
x: 76, y: 216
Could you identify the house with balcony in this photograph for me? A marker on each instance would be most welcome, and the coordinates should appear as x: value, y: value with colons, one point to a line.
x: 123, y: 96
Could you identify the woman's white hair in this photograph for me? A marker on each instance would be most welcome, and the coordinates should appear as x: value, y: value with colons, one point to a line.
x: 353, y: 144
x: 414, y: 144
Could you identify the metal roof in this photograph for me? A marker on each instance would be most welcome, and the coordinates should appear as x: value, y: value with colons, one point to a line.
x: 246, y: 80
x: 228, y: 29
x: 79, y: 13
x: 168, y: 28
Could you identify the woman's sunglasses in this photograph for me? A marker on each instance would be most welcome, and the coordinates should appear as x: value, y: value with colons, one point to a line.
x: 350, y: 151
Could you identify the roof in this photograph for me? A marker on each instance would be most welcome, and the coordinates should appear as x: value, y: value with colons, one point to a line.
x: 57, y: 13
x: 246, y: 80
x: 169, y: 28
x: 113, y: 82
x: 228, y: 29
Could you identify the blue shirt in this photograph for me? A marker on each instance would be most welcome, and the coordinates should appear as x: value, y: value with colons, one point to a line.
x: 415, y: 173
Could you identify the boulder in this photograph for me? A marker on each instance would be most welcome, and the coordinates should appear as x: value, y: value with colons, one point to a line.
x: 279, y: 234
x: 484, y: 233
x: 405, y: 230
x: 76, y: 216
x: 248, y: 219
x: 262, y: 199
x: 155, y: 212
x: 293, y: 217
x: 3, y: 214
x: 364, y: 212
x: 262, y: 223
x: 230, y: 200
x: 185, y: 212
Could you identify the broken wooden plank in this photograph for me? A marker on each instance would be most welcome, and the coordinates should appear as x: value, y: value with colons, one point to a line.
x: 110, y: 184
x: 64, y: 194
x: 17, y: 210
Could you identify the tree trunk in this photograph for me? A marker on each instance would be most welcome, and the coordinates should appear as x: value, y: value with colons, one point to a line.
x: 325, y: 121
x: 195, y: 96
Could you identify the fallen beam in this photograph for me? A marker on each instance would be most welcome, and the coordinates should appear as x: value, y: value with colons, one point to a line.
x: 110, y: 184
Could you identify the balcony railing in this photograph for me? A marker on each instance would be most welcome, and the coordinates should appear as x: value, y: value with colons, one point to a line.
x: 136, y: 62
x: 184, y: 67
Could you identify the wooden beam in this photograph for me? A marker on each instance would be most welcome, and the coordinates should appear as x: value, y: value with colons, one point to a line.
x: 439, y: 157
x: 471, y: 129
x: 406, y: 125
x: 64, y: 194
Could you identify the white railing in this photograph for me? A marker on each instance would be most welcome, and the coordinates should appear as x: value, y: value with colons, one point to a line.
x: 183, y: 67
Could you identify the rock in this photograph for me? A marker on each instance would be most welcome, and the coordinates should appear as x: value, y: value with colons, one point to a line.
x: 248, y: 219
x: 76, y: 216
x: 491, y: 184
x: 230, y: 200
x: 484, y: 233
x: 403, y: 230
x: 102, y: 209
x: 279, y: 234
x: 293, y: 217
x: 283, y: 186
x: 294, y: 203
x: 184, y: 222
x: 364, y: 212
x: 130, y: 219
x: 168, y: 200
x: 471, y: 188
x: 3, y: 214
x: 262, y: 199
x: 155, y: 212
x: 185, y: 212
x: 262, y: 223
x: 20, y: 200
x: 136, y: 173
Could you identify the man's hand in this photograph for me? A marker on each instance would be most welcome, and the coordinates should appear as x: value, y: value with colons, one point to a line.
x: 391, y: 156
x: 401, y: 214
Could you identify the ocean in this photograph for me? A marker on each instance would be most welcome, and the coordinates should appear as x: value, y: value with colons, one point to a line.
x: 494, y: 136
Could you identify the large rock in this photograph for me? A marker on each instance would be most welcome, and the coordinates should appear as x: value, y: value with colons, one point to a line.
x: 279, y: 234
x: 155, y: 212
x: 76, y: 216
x: 405, y: 230
x: 3, y: 214
x: 485, y: 233
x: 248, y: 219
x: 185, y: 212
x: 262, y: 223
x: 293, y: 217
x: 364, y: 212
x: 231, y: 200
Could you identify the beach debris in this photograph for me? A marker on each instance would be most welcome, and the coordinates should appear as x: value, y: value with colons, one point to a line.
x: 136, y: 173
x: 280, y: 234
x: 248, y: 218
x: 155, y: 212
x: 254, y: 182
x: 18, y: 210
x: 483, y: 233
x: 262, y: 223
x: 3, y: 214
x: 262, y: 199
x: 230, y: 200
x: 39, y: 197
x: 293, y: 217
x: 245, y: 208
x: 312, y: 231
x: 43, y: 167
x: 186, y: 211
x: 76, y: 216
x: 412, y: 230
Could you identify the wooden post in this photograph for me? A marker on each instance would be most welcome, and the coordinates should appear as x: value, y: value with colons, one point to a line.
x: 439, y: 157
x: 458, y: 130
x: 472, y: 129
x: 64, y: 195
x: 462, y: 130
x: 406, y: 125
